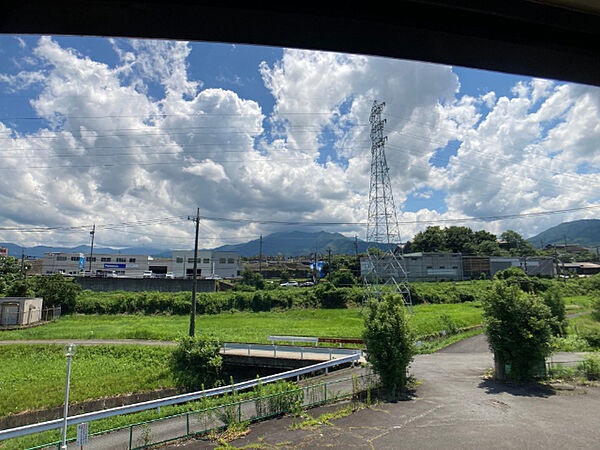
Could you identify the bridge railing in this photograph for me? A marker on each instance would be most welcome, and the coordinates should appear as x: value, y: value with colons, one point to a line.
x: 285, y: 351
x: 182, y: 398
x: 294, y: 339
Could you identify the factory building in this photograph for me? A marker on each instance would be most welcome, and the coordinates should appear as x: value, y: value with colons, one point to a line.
x: 211, y: 264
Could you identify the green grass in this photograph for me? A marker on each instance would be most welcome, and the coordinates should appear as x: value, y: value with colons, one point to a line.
x: 33, y: 376
x: 241, y: 326
x: 579, y: 303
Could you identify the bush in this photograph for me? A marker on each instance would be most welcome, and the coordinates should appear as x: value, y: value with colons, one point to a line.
x: 196, y: 362
x: 389, y: 341
x: 519, y: 329
x: 20, y: 288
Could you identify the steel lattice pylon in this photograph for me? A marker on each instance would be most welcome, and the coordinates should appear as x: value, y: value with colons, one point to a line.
x: 383, y: 272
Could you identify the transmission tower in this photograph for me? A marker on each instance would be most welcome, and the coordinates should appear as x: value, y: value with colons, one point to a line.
x: 385, y: 271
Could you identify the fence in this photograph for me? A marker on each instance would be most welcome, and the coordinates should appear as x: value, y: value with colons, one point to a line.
x: 275, y: 350
x: 216, y: 418
x: 51, y: 313
x: 177, y: 399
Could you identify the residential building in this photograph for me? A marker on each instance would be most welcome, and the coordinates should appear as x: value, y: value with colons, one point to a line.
x: 3, y: 252
x: 211, y: 264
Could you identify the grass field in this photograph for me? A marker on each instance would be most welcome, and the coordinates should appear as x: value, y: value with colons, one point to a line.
x: 33, y: 376
x: 243, y: 326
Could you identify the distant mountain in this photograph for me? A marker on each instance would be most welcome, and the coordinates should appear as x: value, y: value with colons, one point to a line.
x: 296, y: 243
x: 38, y: 251
x: 583, y: 232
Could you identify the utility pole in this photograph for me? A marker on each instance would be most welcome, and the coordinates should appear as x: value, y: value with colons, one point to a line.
x: 194, y: 275
x: 92, y: 233
x: 22, y: 263
x: 260, y: 257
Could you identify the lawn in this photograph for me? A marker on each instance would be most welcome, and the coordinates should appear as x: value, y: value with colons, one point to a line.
x: 243, y: 326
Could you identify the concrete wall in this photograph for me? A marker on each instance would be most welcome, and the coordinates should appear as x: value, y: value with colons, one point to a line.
x: 143, y: 284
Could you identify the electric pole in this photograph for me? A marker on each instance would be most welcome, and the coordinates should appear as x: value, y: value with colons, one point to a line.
x: 194, y: 275
x: 260, y: 257
x: 92, y: 233
x: 22, y: 263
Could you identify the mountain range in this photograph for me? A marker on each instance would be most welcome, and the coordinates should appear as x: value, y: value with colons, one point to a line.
x: 584, y: 232
x: 296, y: 243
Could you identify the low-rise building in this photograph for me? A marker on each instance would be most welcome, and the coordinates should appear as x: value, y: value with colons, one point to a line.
x: 421, y: 266
x: 474, y: 266
x: 16, y: 311
x: 3, y: 252
x: 581, y: 268
x: 211, y: 264
x: 531, y: 265
x: 99, y: 264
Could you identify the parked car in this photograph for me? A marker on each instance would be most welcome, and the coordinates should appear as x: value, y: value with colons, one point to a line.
x: 169, y: 275
x: 147, y: 274
x: 307, y: 284
x: 289, y: 283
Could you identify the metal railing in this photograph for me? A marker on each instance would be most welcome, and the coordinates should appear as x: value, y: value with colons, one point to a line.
x: 201, y: 421
x: 153, y: 404
x: 293, y: 339
x: 278, y: 350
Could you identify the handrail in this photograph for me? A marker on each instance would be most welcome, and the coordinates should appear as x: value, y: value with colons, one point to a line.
x: 182, y: 398
x: 293, y: 339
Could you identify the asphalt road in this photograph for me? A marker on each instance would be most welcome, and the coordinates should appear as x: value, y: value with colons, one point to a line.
x: 455, y: 407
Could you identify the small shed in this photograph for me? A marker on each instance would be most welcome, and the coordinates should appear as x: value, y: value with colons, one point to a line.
x: 15, y: 311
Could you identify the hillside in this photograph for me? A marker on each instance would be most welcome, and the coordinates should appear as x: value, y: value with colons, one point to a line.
x: 583, y: 232
x: 296, y: 243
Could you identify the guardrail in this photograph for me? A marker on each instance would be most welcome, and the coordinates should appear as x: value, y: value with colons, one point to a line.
x: 182, y: 398
x: 294, y: 339
x: 279, y: 349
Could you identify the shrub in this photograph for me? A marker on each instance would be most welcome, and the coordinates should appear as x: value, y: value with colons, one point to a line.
x: 20, y: 288
x: 389, y: 341
x: 553, y: 300
x: 519, y: 329
x: 196, y: 362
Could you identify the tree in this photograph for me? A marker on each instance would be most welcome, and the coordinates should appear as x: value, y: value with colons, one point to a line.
x: 196, y: 362
x: 389, y: 341
x: 56, y: 291
x: 10, y: 270
x: 342, y: 278
x: 430, y: 240
x: 518, y: 328
x: 250, y: 278
x: 516, y: 245
x: 285, y: 276
x: 459, y: 240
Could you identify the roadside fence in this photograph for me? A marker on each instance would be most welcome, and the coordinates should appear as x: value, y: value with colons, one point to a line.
x: 51, y: 313
x: 218, y: 418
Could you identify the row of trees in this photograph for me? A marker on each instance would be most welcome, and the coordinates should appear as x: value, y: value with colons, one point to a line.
x: 54, y: 289
x: 465, y: 240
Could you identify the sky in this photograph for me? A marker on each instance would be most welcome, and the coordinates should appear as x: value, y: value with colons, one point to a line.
x: 135, y: 135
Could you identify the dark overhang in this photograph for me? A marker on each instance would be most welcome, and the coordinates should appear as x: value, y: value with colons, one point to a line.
x: 554, y: 39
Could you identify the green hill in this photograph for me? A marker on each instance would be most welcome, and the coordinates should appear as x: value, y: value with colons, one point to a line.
x: 583, y: 232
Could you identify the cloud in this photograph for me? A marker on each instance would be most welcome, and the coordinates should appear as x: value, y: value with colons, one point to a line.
x: 141, y: 140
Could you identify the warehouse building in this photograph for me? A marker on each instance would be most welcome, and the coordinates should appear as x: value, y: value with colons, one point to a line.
x: 543, y: 266
x: 75, y: 264
x: 421, y: 266
x: 211, y: 264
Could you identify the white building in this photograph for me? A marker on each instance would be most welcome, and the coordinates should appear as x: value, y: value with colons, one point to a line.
x: 211, y: 264
x: 74, y: 264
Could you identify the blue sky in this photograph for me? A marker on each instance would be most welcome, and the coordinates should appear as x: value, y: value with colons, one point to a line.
x: 148, y: 130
